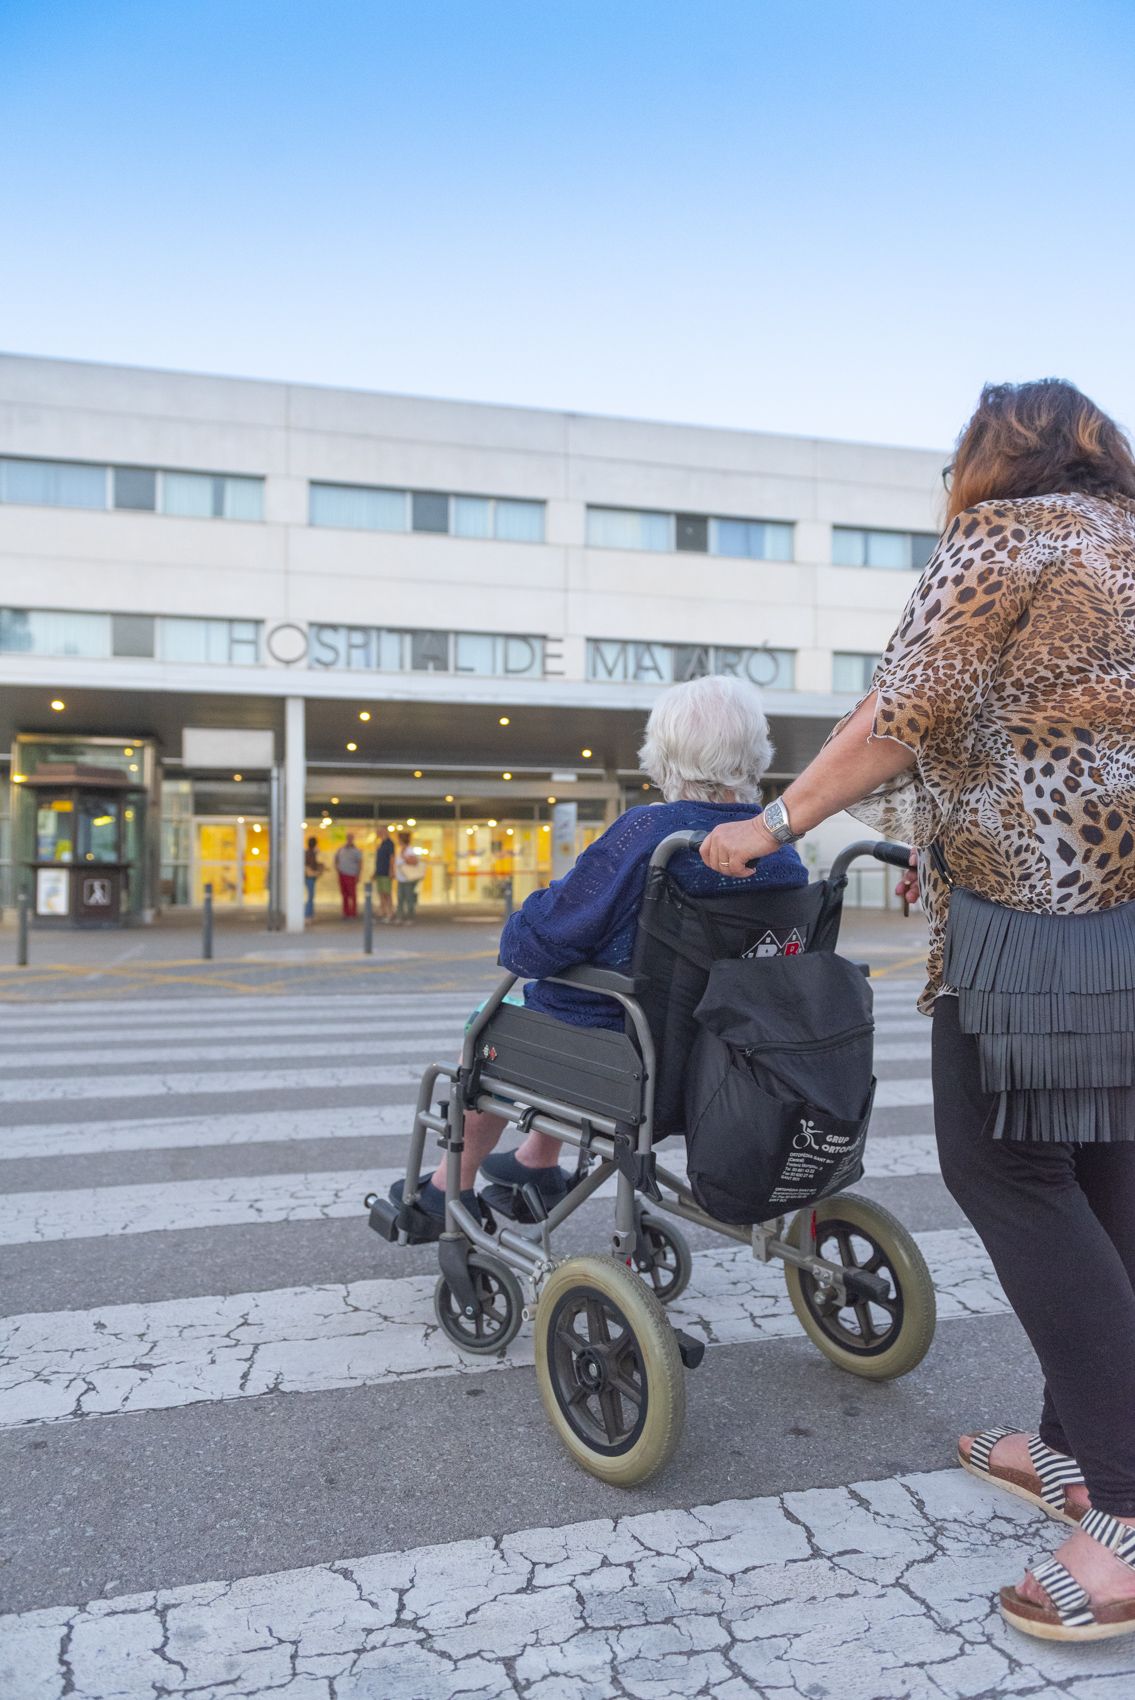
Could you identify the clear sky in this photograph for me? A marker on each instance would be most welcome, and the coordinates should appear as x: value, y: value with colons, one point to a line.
x: 818, y: 216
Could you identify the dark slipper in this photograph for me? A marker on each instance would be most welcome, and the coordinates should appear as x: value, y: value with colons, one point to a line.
x: 503, y: 1170
x: 431, y: 1206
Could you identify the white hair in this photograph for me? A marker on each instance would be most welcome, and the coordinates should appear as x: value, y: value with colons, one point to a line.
x: 706, y: 737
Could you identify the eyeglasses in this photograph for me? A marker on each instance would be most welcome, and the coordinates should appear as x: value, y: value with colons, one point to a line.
x: 948, y: 475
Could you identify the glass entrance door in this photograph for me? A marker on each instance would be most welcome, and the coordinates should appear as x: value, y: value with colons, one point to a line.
x: 232, y: 856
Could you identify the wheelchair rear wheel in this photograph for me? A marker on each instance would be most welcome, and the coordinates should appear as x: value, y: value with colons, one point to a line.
x: 878, y: 1339
x: 499, y: 1310
x: 609, y: 1369
x: 662, y: 1257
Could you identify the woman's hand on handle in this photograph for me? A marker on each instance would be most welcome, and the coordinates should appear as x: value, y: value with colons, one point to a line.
x: 908, y: 887
x: 729, y: 848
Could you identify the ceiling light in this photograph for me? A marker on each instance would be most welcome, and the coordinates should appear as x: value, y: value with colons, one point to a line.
x: 503, y: 721
x: 129, y: 750
x: 256, y: 849
x: 449, y: 796
x: 352, y: 746
x: 586, y: 754
x: 508, y: 832
x: 240, y: 820
x: 303, y: 823
x: 58, y: 704
x: 551, y: 799
x: 364, y: 713
x: 256, y: 827
x: 134, y: 768
x: 646, y: 786
x: 506, y: 775
x: 469, y: 831
x: 237, y: 776
x: 545, y: 827
x: 417, y: 773
x: 334, y: 800
x: 493, y: 823
x: 410, y: 821
x: 391, y: 827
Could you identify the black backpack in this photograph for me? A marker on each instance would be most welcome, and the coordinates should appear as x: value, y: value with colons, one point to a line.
x: 779, y: 1084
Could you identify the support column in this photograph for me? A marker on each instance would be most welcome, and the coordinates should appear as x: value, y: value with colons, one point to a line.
x: 295, y: 802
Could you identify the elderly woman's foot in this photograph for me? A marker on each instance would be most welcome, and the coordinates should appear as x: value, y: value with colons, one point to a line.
x: 1010, y: 1465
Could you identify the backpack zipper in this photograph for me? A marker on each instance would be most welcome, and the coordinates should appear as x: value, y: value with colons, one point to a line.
x: 809, y: 1044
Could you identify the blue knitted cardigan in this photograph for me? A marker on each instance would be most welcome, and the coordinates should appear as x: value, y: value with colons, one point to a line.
x: 591, y: 914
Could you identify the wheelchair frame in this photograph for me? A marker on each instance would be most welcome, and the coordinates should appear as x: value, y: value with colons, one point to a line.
x: 525, y: 1249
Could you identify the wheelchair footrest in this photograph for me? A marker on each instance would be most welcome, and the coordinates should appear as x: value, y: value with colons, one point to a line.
x: 389, y: 1220
x: 692, y: 1351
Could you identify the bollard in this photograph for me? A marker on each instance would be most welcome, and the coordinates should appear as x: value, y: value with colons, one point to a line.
x: 506, y: 892
x: 368, y: 919
x: 207, y: 925
x: 22, y: 930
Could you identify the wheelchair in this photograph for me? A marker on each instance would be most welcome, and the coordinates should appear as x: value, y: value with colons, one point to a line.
x: 610, y: 1366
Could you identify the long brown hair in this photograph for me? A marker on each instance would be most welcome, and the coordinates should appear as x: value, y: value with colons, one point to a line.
x: 1038, y: 439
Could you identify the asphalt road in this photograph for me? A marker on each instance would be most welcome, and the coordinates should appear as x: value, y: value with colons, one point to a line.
x: 238, y: 1458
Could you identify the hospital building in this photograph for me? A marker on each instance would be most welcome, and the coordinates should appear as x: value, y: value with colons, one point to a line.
x: 237, y: 614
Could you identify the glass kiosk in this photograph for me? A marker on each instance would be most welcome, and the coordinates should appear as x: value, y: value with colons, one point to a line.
x: 87, y: 857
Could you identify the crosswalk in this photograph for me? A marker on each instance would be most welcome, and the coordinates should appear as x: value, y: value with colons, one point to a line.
x: 246, y: 1461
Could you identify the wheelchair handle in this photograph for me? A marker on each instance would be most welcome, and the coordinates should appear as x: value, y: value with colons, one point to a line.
x: 895, y: 855
x: 672, y: 843
x: 882, y: 849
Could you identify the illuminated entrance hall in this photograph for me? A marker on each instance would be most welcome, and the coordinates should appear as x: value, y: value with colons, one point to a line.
x: 470, y: 856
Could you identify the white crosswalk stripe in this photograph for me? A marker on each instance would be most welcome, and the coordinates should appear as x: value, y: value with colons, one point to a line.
x: 149, y: 1357
x: 96, y: 1212
x: 746, y: 1597
x: 222, y: 1083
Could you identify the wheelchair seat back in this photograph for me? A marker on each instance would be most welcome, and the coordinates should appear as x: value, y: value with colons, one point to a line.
x: 680, y: 937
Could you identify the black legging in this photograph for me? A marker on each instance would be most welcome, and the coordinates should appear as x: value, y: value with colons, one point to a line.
x: 1058, y: 1222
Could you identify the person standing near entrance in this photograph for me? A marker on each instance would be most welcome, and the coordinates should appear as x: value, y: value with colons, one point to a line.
x: 383, y: 877
x: 312, y: 868
x: 408, y: 870
x: 348, y: 866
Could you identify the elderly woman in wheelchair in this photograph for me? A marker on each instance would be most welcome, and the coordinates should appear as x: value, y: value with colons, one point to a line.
x: 665, y: 998
x: 707, y: 748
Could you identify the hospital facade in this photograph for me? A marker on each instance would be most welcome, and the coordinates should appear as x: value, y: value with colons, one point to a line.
x: 235, y: 615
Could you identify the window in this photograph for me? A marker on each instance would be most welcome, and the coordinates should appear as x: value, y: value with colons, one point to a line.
x: 40, y: 631
x: 430, y: 511
x: 518, y: 522
x: 896, y: 550
x: 231, y: 642
x: 472, y: 516
x: 691, y: 534
x: 52, y: 484
x: 358, y: 509
x: 205, y: 495
x: 751, y: 539
x: 132, y: 634
x: 135, y: 487
x: 623, y: 528
x: 853, y: 672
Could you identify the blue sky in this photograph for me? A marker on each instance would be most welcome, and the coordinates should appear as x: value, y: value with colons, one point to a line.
x: 819, y: 216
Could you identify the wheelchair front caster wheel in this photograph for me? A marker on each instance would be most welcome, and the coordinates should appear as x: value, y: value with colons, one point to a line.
x: 876, y: 1338
x: 609, y: 1369
x: 662, y: 1257
x: 499, y: 1310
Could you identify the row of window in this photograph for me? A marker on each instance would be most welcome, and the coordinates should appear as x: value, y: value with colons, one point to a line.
x: 185, y: 639
x: 45, y: 631
x: 356, y: 507
x: 187, y: 495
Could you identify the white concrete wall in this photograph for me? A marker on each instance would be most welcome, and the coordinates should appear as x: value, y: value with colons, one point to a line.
x: 283, y: 569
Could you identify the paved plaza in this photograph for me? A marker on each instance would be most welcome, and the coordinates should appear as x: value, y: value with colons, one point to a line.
x: 239, y: 1459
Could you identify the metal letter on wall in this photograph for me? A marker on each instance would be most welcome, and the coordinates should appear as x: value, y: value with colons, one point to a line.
x: 565, y: 818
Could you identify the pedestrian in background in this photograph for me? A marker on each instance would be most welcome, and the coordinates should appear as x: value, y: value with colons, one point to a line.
x: 384, y: 877
x: 408, y: 870
x: 999, y: 736
x: 348, y: 866
x: 312, y: 868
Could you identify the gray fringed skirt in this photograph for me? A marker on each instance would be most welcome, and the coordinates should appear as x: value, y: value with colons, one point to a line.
x: 1051, y: 1001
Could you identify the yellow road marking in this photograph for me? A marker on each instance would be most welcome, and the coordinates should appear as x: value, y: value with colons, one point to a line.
x: 895, y: 967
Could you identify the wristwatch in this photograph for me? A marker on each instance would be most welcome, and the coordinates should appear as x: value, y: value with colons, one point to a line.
x: 775, y: 819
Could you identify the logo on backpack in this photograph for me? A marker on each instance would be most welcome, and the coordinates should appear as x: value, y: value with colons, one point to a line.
x: 772, y: 944
x: 809, y: 1136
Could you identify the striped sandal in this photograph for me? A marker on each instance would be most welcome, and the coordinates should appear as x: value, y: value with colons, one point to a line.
x: 1070, y: 1614
x: 1054, y: 1472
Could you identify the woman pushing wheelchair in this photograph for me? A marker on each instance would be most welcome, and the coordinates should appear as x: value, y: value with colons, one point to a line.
x: 706, y: 750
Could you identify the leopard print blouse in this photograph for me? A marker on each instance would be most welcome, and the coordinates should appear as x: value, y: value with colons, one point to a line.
x: 1012, y: 679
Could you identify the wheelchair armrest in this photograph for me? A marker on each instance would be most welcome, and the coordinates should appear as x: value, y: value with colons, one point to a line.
x: 597, y: 980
